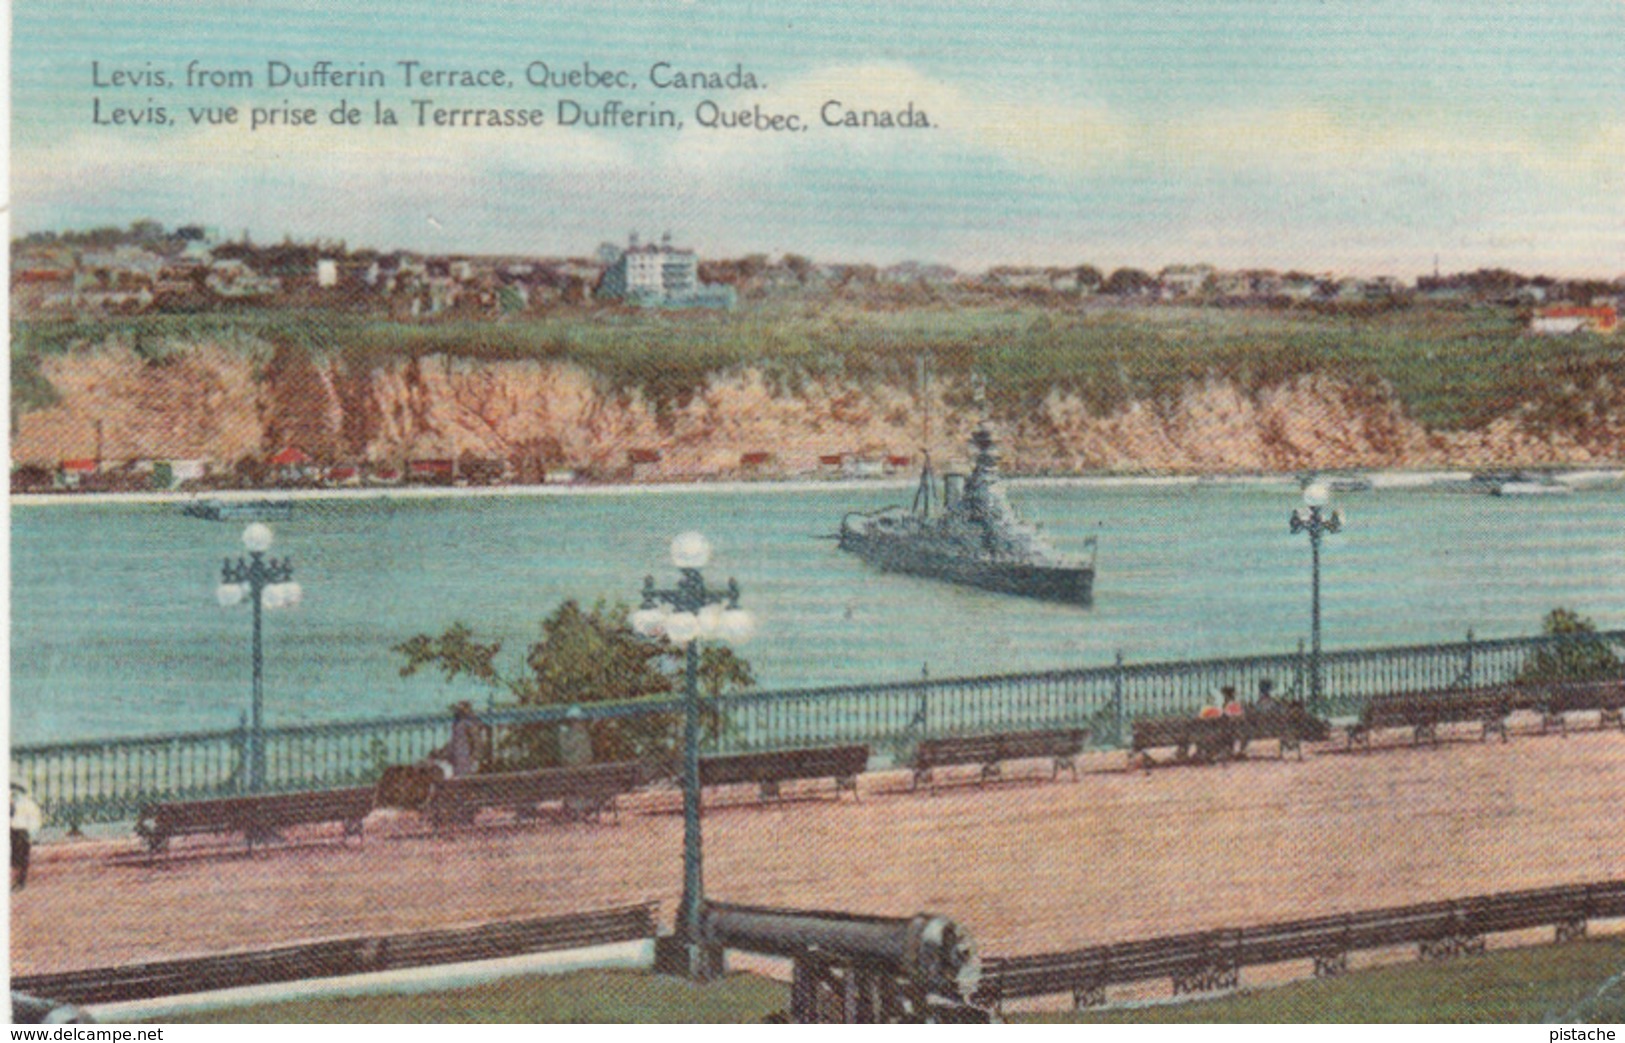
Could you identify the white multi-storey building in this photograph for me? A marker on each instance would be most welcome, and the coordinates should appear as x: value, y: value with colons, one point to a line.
x: 652, y: 272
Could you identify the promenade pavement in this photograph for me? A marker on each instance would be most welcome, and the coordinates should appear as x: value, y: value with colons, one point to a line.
x: 1029, y: 866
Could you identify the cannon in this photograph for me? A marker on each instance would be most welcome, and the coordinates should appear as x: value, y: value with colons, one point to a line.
x: 865, y: 969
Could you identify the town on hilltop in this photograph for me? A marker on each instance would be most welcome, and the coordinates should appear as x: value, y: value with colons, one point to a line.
x: 148, y: 268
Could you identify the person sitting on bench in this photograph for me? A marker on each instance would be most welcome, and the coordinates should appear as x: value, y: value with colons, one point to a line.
x: 464, y: 753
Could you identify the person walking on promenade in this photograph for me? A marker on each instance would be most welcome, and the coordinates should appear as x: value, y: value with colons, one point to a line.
x: 26, y: 820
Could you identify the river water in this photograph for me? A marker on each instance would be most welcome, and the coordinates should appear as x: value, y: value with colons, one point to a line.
x: 116, y: 631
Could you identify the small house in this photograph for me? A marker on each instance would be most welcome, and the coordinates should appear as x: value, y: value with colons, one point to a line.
x: 437, y: 471
x: 293, y: 464
x: 71, y: 473
x: 1563, y: 319
x: 644, y: 462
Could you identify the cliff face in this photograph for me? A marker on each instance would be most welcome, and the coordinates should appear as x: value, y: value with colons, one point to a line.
x: 224, y: 403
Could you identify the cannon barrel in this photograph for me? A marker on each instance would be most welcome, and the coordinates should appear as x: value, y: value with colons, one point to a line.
x: 930, y: 951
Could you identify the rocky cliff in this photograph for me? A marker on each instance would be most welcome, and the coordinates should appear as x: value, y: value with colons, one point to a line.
x: 225, y: 403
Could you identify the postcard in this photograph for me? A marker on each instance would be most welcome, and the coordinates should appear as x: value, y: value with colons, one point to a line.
x: 701, y: 510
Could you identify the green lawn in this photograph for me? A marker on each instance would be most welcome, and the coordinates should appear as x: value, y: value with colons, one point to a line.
x: 1572, y: 982
x: 601, y: 997
x: 1540, y: 983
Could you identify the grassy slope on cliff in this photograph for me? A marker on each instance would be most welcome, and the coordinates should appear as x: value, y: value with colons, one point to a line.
x: 1451, y: 368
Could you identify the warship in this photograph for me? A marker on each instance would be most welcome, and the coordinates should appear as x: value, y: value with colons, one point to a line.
x: 975, y: 539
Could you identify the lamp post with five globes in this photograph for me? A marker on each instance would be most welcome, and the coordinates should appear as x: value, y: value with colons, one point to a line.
x: 267, y: 583
x: 688, y: 614
x: 1314, y: 519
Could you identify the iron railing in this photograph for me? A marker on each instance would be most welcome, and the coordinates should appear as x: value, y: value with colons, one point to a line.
x: 109, y: 780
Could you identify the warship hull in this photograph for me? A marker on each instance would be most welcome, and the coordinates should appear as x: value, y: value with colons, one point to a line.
x: 1072, y: 584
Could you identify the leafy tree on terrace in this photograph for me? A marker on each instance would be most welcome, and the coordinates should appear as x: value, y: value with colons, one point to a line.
x: 1580, y: 655
x: 583, y: 656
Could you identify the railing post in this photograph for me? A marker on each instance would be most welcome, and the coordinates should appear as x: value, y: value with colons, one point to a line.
x: 243, y: 744
x: 1467, y: 671
x: 1117, y: 700
x: 1297, y: 672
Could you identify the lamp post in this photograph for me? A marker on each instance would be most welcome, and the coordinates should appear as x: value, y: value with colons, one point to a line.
x: 688, y: 614
x: 1314, y: 519
x: 267, y: 583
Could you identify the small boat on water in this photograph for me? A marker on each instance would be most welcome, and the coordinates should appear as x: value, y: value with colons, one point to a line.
x: 1338, y: 481
x: 239, y: 510
x: 1518, y: 483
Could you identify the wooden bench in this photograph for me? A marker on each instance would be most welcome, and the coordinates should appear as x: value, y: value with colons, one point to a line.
x: 1288, y: 723
x: 585, y: 792
x: 1424, y: 712
x: 1554, y: 702
x: 1060, y: 747
x: 1209, y: 739
x: 1202, y: 739
x: 771, y: 769
x: 257, y: 817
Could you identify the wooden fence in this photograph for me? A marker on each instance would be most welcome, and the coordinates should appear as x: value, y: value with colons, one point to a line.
x: 343, y: 956
x: 1210, y: 960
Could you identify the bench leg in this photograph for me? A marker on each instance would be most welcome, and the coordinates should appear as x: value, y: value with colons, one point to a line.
x: 263, y: 837
x: 846, y: 782
x: 990, y: 771
x: 1331, y: 965
x: 769, y: 790
x: 1069, y: 763
x: 1090, y: 995
x: 921, y: 776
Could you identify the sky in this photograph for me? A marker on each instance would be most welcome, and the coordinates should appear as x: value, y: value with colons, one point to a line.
x: 1364, y: 138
